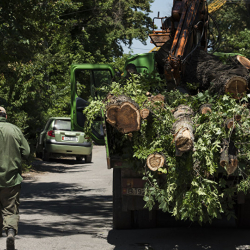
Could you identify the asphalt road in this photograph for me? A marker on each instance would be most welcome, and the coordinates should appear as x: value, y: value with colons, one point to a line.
x: 68, y: 205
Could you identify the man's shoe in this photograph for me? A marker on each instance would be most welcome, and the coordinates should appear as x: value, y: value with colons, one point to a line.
x: 10, y: 241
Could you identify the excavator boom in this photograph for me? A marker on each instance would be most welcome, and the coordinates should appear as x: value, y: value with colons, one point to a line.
x: 181, y: 33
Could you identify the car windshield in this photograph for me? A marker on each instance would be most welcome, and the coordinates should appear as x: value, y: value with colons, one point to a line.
x: 62, y: 125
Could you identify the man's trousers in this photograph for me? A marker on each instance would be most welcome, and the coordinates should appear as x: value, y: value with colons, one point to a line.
x: 9, y: 205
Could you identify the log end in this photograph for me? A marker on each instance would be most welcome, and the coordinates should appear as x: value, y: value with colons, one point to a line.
x: 144, y: 113
x: 205, y: 108
x: 125, y: 117
x: 236, y: 86
x: 229, y: 123
x: 244, y: 61
x: 184, y: 140
x: 155, y: 161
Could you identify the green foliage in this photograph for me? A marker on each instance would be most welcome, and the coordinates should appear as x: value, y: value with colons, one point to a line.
x: 233, y: 22
x: 38, y: 47
x: 194, y: 186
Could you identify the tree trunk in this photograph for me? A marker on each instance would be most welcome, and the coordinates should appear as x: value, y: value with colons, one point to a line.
x: 155, y: 161
x: 207, y: 70
x: 182, y: 111
x: 183, y: 130
x: 235, y: 85
x: 123, y: 114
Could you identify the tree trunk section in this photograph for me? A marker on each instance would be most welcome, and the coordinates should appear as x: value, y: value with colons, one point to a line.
x: 205, y: 108
x: 210, y: 73
x: 155, y: 161
x: 229, y: 123
x: 123, y: 114
x: 145, y: 113
x: 183, y: 111
x: 235, y: 86
x: 183, y: 135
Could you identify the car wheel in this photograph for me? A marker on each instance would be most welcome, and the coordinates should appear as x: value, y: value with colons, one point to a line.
x: 45, y: 155
x: 88, y: 158
x: 78, y: 158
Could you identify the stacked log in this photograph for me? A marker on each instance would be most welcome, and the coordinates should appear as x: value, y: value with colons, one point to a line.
x: 123, y: 114
x: 183, y: 129
x: 155, y: 161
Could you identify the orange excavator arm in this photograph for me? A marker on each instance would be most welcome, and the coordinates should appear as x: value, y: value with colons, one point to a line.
x: 181, y: 33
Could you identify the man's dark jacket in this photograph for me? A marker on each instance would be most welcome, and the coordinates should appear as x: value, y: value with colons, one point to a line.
x: 13, y: 147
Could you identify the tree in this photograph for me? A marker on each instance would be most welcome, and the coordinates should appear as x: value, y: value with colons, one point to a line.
x: 41, y: 39
x: 233, y: 21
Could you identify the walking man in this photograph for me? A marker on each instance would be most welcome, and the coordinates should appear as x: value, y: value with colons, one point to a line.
x: 13, y: 147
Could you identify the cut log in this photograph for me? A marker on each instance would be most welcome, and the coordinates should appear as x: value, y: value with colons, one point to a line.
x: 123, y: 114
x: 228, y: 158
x: 224, y: 158
x: 233, y: 164
x: 205, y: 108
x: 155, y: 161
x: 234, y: 85
x: 183, y: 135
x: 244, y: 61
x: 229, y: 123
x: 182, y: 111
x: 183, y: 129
x: 210, y: 73
x: 145, y: 113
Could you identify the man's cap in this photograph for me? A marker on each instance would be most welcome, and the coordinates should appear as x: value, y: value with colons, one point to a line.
x: 2, y: 110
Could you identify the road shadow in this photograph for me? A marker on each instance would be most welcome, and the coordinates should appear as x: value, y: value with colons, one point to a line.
x: 56, y: 166
x: 60, y: 209
x: 181, y: 237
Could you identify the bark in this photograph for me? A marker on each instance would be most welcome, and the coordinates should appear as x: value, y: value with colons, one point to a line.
x: 155, y: 161
x: 228, y: 158
x: 207, y: 70
x: 233, y: 164
x: 123, y: 114
x: 235, y: 86
x: 224, y: 158
x: 182, y: 111
x: 183, y: 130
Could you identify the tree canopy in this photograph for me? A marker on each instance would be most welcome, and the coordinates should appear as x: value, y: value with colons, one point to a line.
x: 41, y: 39
x: 234, y: 24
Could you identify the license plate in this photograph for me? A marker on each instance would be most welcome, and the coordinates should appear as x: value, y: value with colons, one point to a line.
x: 67, y: 138
x: 134, y: 191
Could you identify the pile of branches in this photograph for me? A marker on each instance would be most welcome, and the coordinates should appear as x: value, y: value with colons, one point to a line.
x: 196, y: 142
